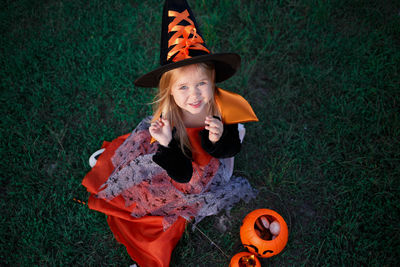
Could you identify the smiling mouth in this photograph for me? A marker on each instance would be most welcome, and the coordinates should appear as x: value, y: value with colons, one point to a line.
x: 196, y: 104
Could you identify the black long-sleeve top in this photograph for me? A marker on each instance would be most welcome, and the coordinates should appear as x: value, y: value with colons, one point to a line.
x: 179, y: 167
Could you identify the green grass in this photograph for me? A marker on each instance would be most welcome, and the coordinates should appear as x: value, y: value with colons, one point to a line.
x: 322, y: 76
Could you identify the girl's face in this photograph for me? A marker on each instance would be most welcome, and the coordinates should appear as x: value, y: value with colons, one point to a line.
x: 192, y: 89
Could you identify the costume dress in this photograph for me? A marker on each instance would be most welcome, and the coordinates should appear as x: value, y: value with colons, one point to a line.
x: 146, y: 209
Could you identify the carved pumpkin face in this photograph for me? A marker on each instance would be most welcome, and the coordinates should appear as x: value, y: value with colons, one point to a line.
x: 260, y: 245
x: 244, y: 259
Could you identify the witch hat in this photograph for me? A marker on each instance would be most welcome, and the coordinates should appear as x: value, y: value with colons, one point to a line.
x: 182, y: 44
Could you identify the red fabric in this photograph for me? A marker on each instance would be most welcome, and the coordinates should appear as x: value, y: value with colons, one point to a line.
x: 144, y: 238
x: 198, y: 153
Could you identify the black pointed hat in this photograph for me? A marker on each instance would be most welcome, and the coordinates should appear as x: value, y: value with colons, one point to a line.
x: 182, y: 44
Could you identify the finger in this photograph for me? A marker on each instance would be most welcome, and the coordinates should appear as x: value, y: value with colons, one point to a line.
x: 159, y: 124
x: 213, y: 129
x: 210, y: 119
x: 214, y: 120
x: 215, y: 134
x: 215, y: 124
x: 165, y: 122
x: 155, y: 126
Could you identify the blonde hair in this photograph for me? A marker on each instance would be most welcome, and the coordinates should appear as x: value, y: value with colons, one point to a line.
x: 164, y: 105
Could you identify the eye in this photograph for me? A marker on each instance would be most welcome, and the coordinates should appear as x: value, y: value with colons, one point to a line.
x: 201, y: 83
x: 183, y: 87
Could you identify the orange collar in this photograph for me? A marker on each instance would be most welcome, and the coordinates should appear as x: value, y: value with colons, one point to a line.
x: 233, y: 107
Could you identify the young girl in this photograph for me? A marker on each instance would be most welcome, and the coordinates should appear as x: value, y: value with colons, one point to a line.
x: 177, y: 165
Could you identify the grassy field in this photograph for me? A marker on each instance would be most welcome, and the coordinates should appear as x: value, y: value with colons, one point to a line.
x: 322, y: 76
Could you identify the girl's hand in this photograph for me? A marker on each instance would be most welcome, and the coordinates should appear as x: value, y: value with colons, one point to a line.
x: 215, y: 128
x: 161, y: 131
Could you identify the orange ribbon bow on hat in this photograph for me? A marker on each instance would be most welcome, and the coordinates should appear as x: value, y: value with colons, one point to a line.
x: 181, y: 38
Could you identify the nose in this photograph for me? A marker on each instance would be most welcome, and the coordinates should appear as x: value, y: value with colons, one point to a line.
x: 195, y: 91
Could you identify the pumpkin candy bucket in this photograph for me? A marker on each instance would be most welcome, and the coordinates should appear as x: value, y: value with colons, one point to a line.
x: 244, y: 259
x: 264, y: 233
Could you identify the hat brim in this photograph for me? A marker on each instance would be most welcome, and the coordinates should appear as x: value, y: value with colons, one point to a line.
x: 226, y: 64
